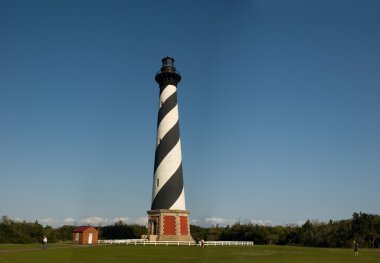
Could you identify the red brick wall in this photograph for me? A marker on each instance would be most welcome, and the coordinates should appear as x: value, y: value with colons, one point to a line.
x: 83, y: 237
x: 184, y: 229
x: 87, y: 232
x: 169, y: 225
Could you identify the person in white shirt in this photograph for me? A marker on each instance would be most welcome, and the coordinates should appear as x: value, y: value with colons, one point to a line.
x: 44, y: 242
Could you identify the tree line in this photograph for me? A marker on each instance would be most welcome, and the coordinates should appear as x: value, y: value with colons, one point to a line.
x: 362, y: 227
x: 12, y: 231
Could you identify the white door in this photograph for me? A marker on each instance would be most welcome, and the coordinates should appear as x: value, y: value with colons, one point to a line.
x: 90, y: 238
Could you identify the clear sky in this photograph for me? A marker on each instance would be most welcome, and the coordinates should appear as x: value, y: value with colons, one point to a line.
x: 279, y: 108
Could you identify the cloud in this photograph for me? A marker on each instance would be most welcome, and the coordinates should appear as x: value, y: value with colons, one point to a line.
x: 296, y: 223
x: 219, y: 221
x: 100, y: 221
x: 69, y: 221
x: 124, y: 219
x: 203, y: 222
x: 212, y: 221
x: 95, y: 221
x: 132, y: 221
x: 139, y: 221
x: 48, y: 221
x: 260, y: 222
x: 195, y: 221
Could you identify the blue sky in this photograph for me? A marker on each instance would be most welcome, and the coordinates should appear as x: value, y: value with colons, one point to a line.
x: 279, y: 108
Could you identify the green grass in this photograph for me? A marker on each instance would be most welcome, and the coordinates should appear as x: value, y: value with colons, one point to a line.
x: 122, y: 253
x: 4, y: 247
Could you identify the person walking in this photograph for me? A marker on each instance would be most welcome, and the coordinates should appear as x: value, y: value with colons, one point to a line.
x: 202, y: 243
x: 44, y: 242
x: 356, y: 248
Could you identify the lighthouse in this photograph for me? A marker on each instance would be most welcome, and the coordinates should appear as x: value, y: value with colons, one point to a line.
x: 168, y: 219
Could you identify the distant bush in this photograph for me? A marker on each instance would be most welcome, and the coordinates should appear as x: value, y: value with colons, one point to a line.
x: 120, y: 230
x: 364, y: 228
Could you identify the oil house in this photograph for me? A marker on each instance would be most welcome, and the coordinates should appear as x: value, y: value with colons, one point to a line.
x: 85, y: 235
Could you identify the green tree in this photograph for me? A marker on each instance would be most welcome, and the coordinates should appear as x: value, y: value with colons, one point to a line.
x: 363, y: 228
x: 64, y: 233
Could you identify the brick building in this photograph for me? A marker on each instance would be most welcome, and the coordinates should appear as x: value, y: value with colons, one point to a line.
x: 85, y: 235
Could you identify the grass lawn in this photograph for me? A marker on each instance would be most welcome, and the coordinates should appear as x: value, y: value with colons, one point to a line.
x: 123, y: 253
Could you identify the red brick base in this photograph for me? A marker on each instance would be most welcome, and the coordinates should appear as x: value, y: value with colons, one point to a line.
x: 169, y: 225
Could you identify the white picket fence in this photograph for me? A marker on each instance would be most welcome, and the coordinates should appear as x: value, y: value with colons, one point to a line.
x: 175, y: 243
x: 229, y: 243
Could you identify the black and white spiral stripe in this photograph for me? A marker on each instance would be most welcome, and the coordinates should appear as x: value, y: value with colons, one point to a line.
x: 168, y: 190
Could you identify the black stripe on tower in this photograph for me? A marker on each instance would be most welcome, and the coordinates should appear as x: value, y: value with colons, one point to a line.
x: 168, y: 142
x: 166, y: 107
x: 170, y: 192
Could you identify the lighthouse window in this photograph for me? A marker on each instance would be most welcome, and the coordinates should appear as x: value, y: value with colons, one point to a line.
x: 158, y: 181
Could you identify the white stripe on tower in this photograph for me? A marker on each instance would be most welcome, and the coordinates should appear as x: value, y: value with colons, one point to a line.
x: 167, y: 168
x: 169, y: 90
x: 168, y: 191
x: 167, y: 123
